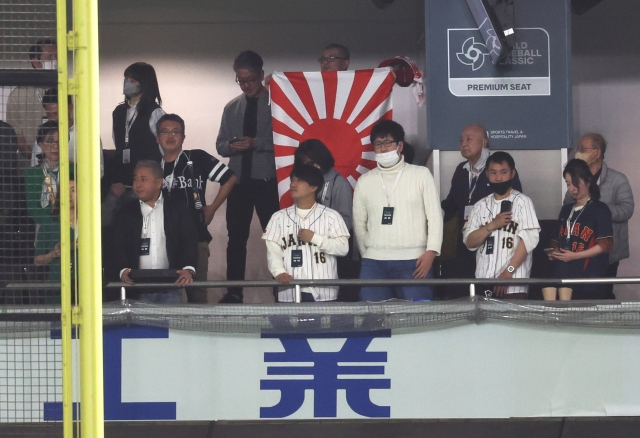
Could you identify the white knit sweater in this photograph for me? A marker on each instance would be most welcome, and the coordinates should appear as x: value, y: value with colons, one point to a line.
x: 417, y: 217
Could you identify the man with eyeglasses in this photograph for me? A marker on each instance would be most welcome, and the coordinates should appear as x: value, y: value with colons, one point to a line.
x: 246, y: 137
x: 615, y: 191
x: 185, y: 179
x: 335, y: 57
x: 396, y: 218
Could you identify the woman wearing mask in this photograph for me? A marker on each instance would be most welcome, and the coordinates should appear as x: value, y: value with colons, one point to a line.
x: 582, y: 245
x: 42, y: 182
x: 134, y: 121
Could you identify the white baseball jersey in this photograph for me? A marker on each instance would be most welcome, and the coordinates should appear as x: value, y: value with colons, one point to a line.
x: 523, y: 227
x: 331, y: 239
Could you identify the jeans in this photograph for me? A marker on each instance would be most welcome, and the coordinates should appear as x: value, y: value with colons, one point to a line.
x: 391, y: 270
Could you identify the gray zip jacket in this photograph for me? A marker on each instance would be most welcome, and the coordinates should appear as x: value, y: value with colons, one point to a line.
x: 336, y: 193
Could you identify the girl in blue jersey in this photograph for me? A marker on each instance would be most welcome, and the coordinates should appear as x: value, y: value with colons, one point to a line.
x: 584, y: 238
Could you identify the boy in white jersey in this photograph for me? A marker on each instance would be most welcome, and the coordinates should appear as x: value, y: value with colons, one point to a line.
x: 304, y: 240
x: 504, y: 228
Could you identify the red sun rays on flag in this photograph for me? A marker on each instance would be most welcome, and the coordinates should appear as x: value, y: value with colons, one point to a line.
x: 337, y: 108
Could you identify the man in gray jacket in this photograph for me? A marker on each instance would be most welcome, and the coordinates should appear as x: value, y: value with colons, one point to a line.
x: 615, y: 191
x: 246, y: 137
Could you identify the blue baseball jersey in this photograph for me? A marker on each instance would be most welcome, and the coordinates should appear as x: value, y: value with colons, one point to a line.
x: 579, y: 230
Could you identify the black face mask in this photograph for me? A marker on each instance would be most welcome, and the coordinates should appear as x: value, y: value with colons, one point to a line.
x: 500, y: 188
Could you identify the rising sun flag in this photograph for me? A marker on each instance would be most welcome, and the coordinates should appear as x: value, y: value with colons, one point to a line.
x: 337, y: 108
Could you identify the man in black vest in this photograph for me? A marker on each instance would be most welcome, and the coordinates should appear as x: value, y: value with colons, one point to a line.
x: 185, y: 179
x: 246, y: 136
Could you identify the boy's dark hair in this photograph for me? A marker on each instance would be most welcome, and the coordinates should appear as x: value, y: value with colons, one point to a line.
x: 387, y: 127
x: 499, y: 158
x: 171, y: 117
x: 579, y: 169
x: 309, y: 174
x: 317, y: 152
x: 249, y: 60
x: 45, y: 129
x: 145, y: 74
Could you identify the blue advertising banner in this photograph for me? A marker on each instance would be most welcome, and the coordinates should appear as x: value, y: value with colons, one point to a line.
x: 486, y: 370
x: 524, y: 101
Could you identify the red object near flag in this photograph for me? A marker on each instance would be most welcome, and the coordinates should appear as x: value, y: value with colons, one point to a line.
x: 337, y: 108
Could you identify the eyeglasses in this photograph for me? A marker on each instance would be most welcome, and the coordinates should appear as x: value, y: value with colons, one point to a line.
x: 583, y: 149
x: 51, y: 142
x: 170, y: 133
x: 385, y: 144
x: 331, y: 58
x: 242, y: 82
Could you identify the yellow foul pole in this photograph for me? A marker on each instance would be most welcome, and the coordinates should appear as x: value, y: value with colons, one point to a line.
x: 87, y: 138
x: 65, y: 255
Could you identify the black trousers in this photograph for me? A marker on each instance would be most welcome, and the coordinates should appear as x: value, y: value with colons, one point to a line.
x: 261, y: 195
x: 612, y: 272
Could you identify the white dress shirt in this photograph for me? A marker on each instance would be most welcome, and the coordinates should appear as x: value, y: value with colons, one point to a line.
x: 153, y: 228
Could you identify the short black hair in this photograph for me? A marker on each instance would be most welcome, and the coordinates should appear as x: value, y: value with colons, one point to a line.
x: 171, y: 117
x: 51, y: 97
x: 499, y: 158
x: 580, y: 169
x: 309, y: 174
x: 249, y: 60
x: 154, y: 166
x: 47, y: 128
x: 344, y: 52
x: 317, y: 152
x: 387, y: 127
x: 36, y: 50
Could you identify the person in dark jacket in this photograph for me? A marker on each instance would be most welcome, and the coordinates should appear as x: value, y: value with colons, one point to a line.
x: 152, y: 232
x: 134, y: 122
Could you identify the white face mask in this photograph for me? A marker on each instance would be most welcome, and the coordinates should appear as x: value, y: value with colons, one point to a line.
x: 49, y: 65
x: 387, y: 159
x: 129, y: 89
x: 584, y: 156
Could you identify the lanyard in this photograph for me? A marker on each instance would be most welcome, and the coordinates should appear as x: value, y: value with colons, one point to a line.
x: 569, y: 225
x: 297, y: 218
x: 472, y: 184
x: 145, y: 219
x: 395, y: 184
x: 128, y: 125
x: 324, y: 192
x: 175, y: 164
